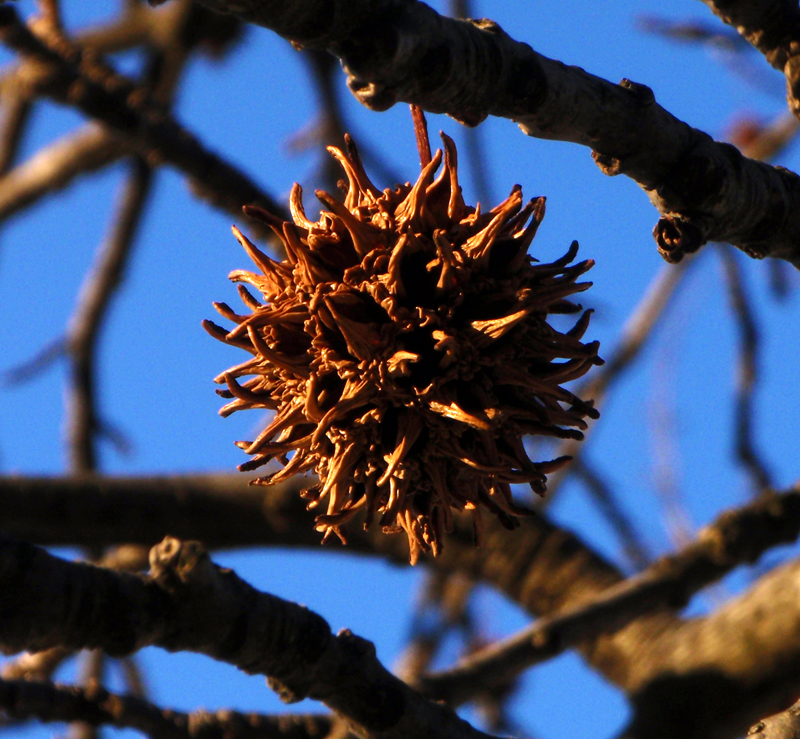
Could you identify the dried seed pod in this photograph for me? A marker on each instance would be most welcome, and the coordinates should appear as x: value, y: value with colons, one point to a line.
x: 404, y: 347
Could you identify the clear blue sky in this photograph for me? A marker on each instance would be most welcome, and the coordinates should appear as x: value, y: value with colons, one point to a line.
x: 157, y: 363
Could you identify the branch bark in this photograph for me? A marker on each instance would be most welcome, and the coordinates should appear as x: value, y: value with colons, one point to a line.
x: 70, y: 76
x: 738, y: 536
x: 22, y: 699
x: 402, y: 50
x: 541, y: 567
x: 55, y: 166
x: 784, y: 725
x: 773, y: 27
x: 189, y: 604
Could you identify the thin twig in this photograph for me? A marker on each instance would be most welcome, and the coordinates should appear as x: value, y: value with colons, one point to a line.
x: 36, y: 365
x: 50, y: 13
x: 98, y: 707
x: 15, y: 114
x: 634, y: 337
x: 97, y: 291
x: 665, y: 451
x: 635, y: 549
x: 747, y: 374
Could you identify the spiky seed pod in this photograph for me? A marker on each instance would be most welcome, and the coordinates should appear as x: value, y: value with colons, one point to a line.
x: 404, y: 347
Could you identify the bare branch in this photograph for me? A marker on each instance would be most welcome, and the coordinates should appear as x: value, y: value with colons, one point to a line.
x: 57, y: 165
x: 95, y: 296
x: 70, y: 76
x: 635, y: 549
x: 718, y: 674
x: 747, y: 374
x: 737, y: 536
x: 784, y: 725
x: 97, y: 707
x: 189, y: 604
x: 403, y: 51
x: 37, y: 667
x: 773, y: 27
x: 15, y: 112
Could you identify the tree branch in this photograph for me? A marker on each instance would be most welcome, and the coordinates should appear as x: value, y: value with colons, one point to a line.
x: 773, y: 27
x: 541, y: 567
x: 402, y: 50
x: 97, y: 707
x: 737, y: 536
x: 55, y: 166
x: 84, y: 423
x: 70, y: 76
x: 189, y: 604
x: 784, y: 725
x: 718, y: 674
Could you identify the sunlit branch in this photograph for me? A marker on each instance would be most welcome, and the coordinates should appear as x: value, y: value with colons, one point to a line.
x: 55, y: 166
x: 403, y: 51
x: 736, y: 537
x: 773, y: 27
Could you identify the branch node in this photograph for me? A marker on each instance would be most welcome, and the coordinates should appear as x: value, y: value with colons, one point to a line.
x: 608, y: 165
x: 643, y: 94
x: 676, y: 238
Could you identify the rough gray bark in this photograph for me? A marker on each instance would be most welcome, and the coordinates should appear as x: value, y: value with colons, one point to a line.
x: 189, y: 604
x: 736, y: 537
x: 784, y: 725
x: 773, y: 27
x: 703, y: 673
x: 403, y: 51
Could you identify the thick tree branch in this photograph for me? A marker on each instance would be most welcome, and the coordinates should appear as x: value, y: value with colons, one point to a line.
x: 784, y: 725
x: 719, y: 674
x: 402, y: 50
x: 773, y: 27
x: 738, y: 536
x: 189, y: 604
x: 543, y: 568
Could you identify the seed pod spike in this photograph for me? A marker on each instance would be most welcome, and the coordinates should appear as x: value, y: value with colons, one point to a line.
x: 421, y: 134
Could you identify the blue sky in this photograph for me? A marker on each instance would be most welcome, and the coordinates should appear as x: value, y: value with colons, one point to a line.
x: 157, y: 363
